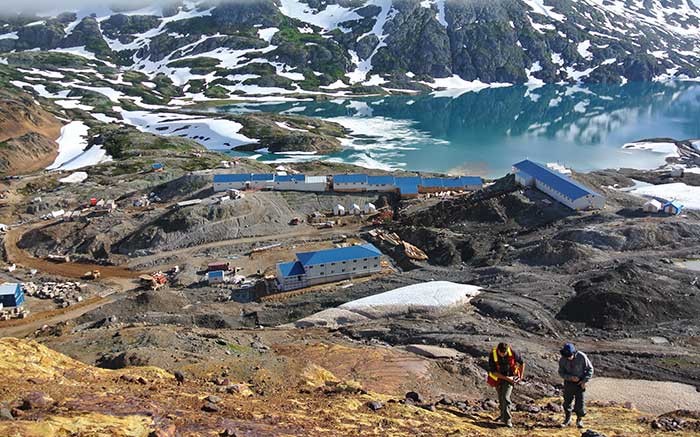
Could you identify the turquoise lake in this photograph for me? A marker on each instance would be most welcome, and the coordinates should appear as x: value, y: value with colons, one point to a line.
x: 484, y: 133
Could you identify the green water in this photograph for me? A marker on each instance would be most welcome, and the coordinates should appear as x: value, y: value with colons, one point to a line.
x: 485, y: 132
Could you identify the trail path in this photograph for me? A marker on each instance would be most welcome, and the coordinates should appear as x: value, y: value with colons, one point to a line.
x: 656, y: 397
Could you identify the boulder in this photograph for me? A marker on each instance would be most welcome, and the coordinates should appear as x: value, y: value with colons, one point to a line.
x: 36, y: 400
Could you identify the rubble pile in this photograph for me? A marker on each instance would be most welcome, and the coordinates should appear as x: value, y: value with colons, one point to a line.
x: 63, y: 293
x: 13, y: 313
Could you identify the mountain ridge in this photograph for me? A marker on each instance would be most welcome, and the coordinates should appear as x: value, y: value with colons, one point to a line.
x: 286, y: 46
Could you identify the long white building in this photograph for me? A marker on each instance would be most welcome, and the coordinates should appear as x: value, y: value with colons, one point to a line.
x: 332, y: 265
x: 558, y: 186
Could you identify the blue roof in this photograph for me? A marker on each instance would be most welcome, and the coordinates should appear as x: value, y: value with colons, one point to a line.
x: 380, y: 180
x: 408, y: 180
x: 9, y: 288
x: 350, y: 178
x: 262, y: 176
x: 453, y: 183
x: 243, y: 177
x: 561, y: 183
x: 157, y: 165
x: 338, y: 255
x: 408, y: 188
x: 216, y: 274
x: 676, y: 204
x: 290, y: 178
x: 293, y: 268
x: 471, y: 180
x: 432, y: 182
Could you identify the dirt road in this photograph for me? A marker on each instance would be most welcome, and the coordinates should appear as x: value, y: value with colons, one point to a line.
x: 656, y: 397
x: 24, y: 327
x: 300, y: 232
x: 69, y: 270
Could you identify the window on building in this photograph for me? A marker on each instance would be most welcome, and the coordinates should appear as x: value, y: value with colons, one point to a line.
x: 321, y: 273
x: 322, y: 265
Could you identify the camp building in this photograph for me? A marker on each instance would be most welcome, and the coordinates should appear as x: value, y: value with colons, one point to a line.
x: 556, y: 185
x: 11, y: 295
x: 330, y: 265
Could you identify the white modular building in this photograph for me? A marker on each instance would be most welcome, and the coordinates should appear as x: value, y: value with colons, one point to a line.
x: 558, y: 186
x: 381, y: 183
x: 226, y: 182
x: 300, y: 182
x: 653, y: 206
x: 350, y: 183
x: 332, y: 265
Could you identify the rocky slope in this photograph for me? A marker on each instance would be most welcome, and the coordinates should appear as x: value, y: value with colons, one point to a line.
x: 223, y: 49
x: 48, y: 394
x: 27, y: 134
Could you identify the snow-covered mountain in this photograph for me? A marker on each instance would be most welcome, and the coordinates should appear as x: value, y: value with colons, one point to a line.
x: 219, y: 49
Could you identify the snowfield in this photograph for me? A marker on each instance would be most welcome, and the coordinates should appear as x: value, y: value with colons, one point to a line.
x: 669, y: 150
x: 688, y: 195
x: 71, y: 149
x: 425, y: 297
x: 428, y: 296
x: 212, y: 133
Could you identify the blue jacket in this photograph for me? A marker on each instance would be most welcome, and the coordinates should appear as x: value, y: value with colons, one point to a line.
x: 580, y: 367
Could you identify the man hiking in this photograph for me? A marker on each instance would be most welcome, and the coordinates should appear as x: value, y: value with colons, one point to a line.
x: 576, y: 370
x: 506, y: 368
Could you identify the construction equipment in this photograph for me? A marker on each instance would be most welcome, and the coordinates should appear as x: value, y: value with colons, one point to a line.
x: 154, y: 281
x: 91, y: 275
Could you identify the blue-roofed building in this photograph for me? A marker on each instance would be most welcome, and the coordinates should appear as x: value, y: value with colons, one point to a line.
x: 331, y: 265
x: 431, y: 185
x: 407, y: 190
x: 673, y: 207
x: 11, y: 295
x: 157, y: 166
x: 558, y: 186
x: 216, y: 277
x: 381, y: 183
x: 262, y: 181
x: 237, y: 181
x: 351, y: 183
x: 471, y: 183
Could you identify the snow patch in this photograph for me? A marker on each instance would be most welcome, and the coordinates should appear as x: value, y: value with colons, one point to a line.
x: 213, y: 133
x: 688, y: 195
x: 71, y: 149
x: 267, y: 34
x: 428, y: 296
x: 669, y: 150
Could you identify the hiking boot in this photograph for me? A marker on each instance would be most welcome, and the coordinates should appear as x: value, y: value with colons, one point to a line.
x: 566, y: 422
x: 579, y: 423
